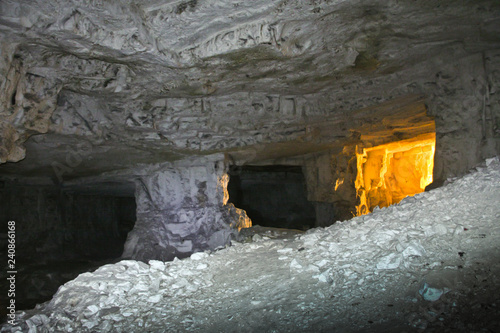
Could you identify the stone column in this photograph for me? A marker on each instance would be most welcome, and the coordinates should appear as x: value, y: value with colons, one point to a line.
x: 457, y: 101
x: 330, y: 181
x: 182, y: 210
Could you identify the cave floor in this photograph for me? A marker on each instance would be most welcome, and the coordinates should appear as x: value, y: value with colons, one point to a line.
x: 430, y: 263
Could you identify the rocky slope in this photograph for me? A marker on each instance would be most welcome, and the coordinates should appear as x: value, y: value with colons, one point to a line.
x: 427, y: 264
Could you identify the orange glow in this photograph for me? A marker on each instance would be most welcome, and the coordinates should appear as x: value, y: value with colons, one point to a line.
x: 388, y: 173
x: 243, y: 221
x: 339, y: 182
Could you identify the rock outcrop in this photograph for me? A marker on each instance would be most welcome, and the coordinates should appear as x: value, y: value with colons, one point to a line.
x: 182, y: 209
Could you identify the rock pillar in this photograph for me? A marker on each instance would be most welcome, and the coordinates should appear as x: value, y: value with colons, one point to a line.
x: 182, y: 210
x: 330, y: 181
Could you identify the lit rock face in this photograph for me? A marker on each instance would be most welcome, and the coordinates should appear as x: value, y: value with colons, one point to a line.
x: 389, y: 173
x: 181, y: 210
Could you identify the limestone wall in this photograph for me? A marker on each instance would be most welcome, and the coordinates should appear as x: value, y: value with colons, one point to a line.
x: 181, y: 210
x: 464, y: 101
x: 53, y: 225
x: 27, y: 101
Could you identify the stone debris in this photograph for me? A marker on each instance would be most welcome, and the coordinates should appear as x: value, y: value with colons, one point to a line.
x: 430, y: 294
x: 419, y: 265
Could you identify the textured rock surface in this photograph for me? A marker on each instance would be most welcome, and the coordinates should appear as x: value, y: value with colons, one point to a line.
x: 157, y: 81
x: 180, y: 210
x: 27, y: 102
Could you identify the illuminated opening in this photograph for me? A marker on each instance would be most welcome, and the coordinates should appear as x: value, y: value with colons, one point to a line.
x: 388, y: 173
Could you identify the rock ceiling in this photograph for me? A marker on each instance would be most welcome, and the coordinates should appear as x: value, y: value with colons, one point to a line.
x: 115, y: 83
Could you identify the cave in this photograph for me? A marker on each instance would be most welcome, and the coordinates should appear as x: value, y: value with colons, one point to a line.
x: 315, y: 143
x: 272, y: 196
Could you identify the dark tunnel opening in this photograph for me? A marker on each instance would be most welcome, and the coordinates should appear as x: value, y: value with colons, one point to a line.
x: 60, y: 234
x: 273, y: 196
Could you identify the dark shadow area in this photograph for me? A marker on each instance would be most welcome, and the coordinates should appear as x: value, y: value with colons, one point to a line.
x: 59, y: 234
x: 272, y: 196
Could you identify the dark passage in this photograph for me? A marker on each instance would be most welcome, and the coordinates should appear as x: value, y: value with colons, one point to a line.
x: 61, y: 233
x: 273, y: 196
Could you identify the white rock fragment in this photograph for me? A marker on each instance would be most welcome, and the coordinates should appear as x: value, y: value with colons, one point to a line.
x: 140, y: 286
x: 89, y: 323
x: 91, y: 310
x: 180, y: 283
x: 414, y: 249
x: 391, y: 261
x: 154, y: 299
x: 158, y: 265
x: 294, y: 264
x: 106, y: 326
x: 458, y: 230
x: 256, y: 238
x: 440, y: 229
x: 312, y: 268
x: 322, y: 263
x: 31, y: 326
x: 40, y: 319
x: 199, y: 256
x: 324, y: 276
x: 430, y: 294
x: 201, y: 266
x: 490, y: 161
x: 253, y: 246
x: 400, y: 247
x: 135, y: 265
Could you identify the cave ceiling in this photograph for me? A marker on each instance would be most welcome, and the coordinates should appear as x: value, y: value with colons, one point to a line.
x: 129, y: 82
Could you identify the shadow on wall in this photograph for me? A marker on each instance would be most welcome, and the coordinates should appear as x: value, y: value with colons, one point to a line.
x: 272, y: 196
x: 60, y: 235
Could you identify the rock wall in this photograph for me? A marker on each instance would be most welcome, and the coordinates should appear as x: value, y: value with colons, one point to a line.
x: 53, y: 225
x: 490, y: 118
x: 181, y: 210
x: 464, y: 101
x: 27, y: 101
x: 330, y: 181
x: 389, y: 173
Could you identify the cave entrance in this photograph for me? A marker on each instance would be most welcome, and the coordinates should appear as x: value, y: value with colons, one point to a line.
x: 273, y: 196
x: 388, y: 173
